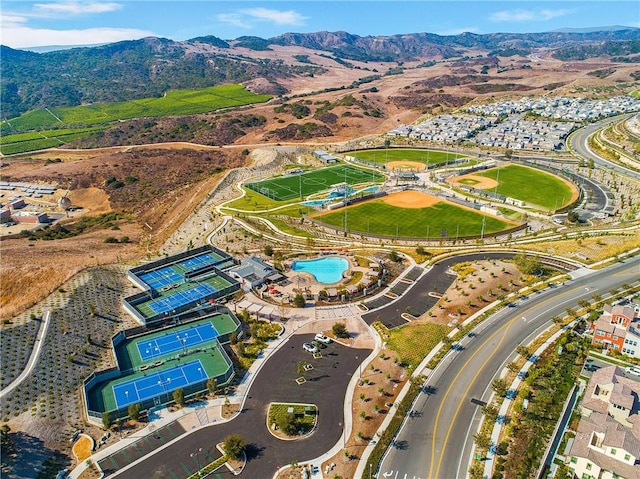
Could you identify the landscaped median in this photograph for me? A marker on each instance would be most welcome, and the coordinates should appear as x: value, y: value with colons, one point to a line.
x: 289, y: 421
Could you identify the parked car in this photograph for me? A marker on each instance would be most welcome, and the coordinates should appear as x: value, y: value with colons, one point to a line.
x: 633, y: 371
x: 322, y: 338
x: 312, y: 348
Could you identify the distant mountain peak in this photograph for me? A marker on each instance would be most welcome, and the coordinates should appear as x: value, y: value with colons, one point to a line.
x: 612, y: 28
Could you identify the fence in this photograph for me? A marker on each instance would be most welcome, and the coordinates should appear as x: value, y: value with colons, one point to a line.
x: 345, y: 232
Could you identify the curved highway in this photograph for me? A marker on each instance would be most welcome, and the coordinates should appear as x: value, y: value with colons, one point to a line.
x: 579, y: 143
x: 436, y: 442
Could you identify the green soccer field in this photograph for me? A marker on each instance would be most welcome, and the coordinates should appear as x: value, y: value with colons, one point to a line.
x: 427, y: 157
x: 440, y: 220
x: 289, y: 187
x: 531, y: 186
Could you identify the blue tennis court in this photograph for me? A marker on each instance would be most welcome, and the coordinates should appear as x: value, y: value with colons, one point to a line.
x: 154, y: 384
x: 161, y: 277
x: 180, y: 298
x: 201, y: 261
x: 176, y: 341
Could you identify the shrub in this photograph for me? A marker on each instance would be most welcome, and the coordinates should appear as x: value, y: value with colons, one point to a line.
x: 234, y: 445
x: 340, y: 330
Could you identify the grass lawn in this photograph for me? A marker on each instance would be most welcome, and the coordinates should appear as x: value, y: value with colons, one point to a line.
x: 253, y: 201
x: 427, y: 157
x: 531, y: 185
x: 305, y: 414
x: 289, y: 187
x: 413, y: 341
x: 378, y: 217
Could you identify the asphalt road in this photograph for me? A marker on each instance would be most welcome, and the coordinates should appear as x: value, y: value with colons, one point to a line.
x: 418, y: 299
x: 325, y: 387
x: 437, y: 441
x: 579, y: 142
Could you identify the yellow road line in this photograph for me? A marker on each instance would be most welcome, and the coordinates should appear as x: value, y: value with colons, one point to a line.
x: 443, y: 402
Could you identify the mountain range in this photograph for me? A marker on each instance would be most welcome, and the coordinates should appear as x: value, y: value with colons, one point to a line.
x: 151, y: 66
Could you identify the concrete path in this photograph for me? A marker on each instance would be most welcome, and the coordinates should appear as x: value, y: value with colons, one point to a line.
x: 35, y: 354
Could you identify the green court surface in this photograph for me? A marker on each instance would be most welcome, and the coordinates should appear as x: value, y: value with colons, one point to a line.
x: 288, y: 187
x: 214, y: 362
x: 212, y: 359
x: 531, y: 186
x: 427, y: 157
x: 440, y: 220
x: 129, y: 357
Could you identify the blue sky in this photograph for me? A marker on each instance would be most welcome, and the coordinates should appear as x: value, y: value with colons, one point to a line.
x: 26, y: 23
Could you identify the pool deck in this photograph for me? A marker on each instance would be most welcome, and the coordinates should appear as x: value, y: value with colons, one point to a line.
x: 300, y: 281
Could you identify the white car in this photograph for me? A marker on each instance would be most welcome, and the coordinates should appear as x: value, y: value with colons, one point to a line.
x: 634, y: 371
x: 322, y: 338
x: 310, y: 347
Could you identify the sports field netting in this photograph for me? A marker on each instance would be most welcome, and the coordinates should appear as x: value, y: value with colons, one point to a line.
x: 180, y: 298
x: 154, y: 384
x: 176, y: 340
x: 427, y: 157
x: 288, y: 187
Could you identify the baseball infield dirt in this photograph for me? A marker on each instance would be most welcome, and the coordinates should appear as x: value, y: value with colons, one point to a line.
x: 411, y: 199
x: 475, y: 181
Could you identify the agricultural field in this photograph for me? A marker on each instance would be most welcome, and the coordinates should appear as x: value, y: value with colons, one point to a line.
x: 426, y: 157
x: 182, y: 102
x: 531, y: 186
x: 39, y: 140
x: 289, y: 187
x: 442, y: 219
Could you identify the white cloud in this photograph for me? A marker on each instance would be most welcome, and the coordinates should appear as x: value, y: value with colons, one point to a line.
x: 76, y: 8
x: 247, y: 18
x: 17, y: 36
x: 528, y: 15
x: 235, y: 19
x: 279, y: 17
x: 16, y: 32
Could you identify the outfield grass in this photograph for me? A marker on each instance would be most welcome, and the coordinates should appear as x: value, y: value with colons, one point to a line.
x: 182, y: 102
x: 427, y: 157
x: 531, y: 186
x: 379, y: 218
x: 289, y: 187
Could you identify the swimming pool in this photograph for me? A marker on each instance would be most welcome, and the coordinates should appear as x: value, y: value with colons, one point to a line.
x: 326, y: 270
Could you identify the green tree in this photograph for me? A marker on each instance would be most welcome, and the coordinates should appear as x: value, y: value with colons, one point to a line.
x: 234, y: 445
x: 499, y: 385
x: 107, y: 420
x: 288, y: 424
x: 178, y: 397
x: 268, y: 250
x: 134, y: 411
x: 6, y: 441
x: 299, y: 301
x: 212, y: 385
x: 573, y: 216
x: 395, y: 256
x: 340, y: 330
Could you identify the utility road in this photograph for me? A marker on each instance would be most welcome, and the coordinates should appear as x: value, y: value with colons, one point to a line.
x: 436, y: 440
